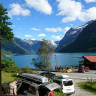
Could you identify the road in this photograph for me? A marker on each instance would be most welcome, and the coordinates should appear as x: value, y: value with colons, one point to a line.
x: 79, y: 77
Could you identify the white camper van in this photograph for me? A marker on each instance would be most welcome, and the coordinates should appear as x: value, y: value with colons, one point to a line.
x: 67, y: 85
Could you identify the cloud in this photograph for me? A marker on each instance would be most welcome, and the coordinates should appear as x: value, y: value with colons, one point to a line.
x: 58, y: 29
x: 88, y: 15
x: 89, y: 1
x: 33, y: 39
x: 28, y: 35
x: 16, y: 9
x: 41, y: 35
x: 72, y: 11
x: 18, y: 18
x: 66, y: 29
x: 14, y: 26
x: 40, y: 5
x: 56, y: 37
x: 35, y: 29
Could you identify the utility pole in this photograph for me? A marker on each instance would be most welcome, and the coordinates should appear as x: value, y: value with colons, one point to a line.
x: 56, y: 60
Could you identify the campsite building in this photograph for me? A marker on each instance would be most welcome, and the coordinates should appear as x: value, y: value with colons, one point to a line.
x: 90, y: 61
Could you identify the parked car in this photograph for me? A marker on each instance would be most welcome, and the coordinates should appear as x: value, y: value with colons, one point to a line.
x: 83, y: 69
x: 30, y: 85
x: 67, y: 85
x: 48, y: 74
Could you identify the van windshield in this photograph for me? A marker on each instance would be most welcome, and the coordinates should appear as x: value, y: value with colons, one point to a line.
x: 67, y: 83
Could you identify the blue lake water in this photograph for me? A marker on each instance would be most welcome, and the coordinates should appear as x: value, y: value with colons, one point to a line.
x: 63, y: 59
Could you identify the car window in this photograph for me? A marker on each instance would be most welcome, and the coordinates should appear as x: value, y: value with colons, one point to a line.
x: 32, y: 90
x: 58, y: 82
x: 67, y: 83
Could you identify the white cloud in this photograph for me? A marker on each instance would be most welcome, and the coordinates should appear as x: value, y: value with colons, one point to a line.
x: 14, y: 26
x: 28, y: 35
x: 58, y: 29
x: 18, y: 10
x: 89, y: 1
x: 40, y: 5
x: 33, y: 39
x: 71, y: 24
x: 41, y: 35
x: 88, y: 15
x: 56, y: 37
x: 66, y: 29
x: 18, y: 18
x: 72, y: 11
x: 35, y: 29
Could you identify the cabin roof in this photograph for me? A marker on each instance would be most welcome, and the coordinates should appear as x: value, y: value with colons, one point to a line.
x: 90, y: 58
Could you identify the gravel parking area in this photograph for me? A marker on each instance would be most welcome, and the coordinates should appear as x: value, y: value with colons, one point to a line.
x: 79, y: 77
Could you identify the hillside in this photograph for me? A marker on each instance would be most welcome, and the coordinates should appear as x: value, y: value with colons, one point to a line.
x: 13, y: 48
x: 19, y: 46
x: 86, y: 40
x: 71, y: 36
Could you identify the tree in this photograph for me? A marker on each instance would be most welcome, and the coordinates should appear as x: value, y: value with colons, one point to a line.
x: 42, y: 62
x: 5, y: 32
x: 7, y: 65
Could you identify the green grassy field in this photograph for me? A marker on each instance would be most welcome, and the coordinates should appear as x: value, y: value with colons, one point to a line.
x: 91, y: 87
x: 8, y: 76
x: 58, y: 94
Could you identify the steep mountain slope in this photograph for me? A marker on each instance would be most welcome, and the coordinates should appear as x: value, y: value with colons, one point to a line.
x: 14, y: 48
x: 86, y: 41
x: 26, y: 44
x: 70, y: 36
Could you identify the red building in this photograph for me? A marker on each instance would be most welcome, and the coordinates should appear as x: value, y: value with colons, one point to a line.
x: 90, y: 61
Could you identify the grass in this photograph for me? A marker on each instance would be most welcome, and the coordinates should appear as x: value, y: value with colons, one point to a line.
x: 8, y: 76
x: 91, y: 87
x: 58, y: 93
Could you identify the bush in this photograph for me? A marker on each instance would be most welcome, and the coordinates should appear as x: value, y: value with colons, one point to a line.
x: 7, y: 65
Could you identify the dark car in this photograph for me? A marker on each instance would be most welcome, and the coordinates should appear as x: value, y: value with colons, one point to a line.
x: 31, y: 86
x: 48, y: 74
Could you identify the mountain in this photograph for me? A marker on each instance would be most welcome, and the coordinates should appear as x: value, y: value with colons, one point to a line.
x: 84, y: 42
x: 70, y: 36
x: 20, y: 46
x: 14, y: 48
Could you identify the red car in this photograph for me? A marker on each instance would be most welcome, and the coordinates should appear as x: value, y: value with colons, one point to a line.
x: 83, y: 69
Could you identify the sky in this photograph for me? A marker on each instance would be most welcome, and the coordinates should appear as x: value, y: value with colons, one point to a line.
x: 48, y: 19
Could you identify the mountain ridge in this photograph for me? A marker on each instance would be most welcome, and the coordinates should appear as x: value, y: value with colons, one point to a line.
x: 85, y: 42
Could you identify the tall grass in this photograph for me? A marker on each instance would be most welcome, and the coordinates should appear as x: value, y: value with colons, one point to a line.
x: 89, y: 86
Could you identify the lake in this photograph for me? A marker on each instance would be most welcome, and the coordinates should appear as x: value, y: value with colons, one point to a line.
x: 63, y: 59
